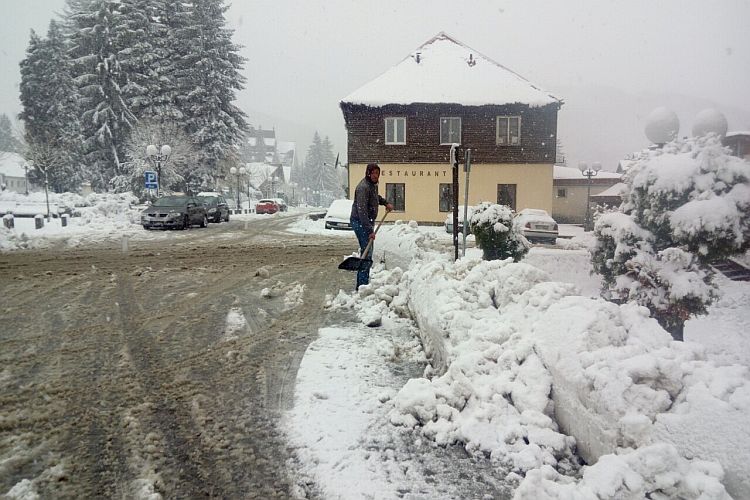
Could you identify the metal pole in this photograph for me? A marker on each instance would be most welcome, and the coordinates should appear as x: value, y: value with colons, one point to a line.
x: 26, y: 175
x: 46, y: 191
x: 158, y: 177
x: 238, y: 192
x: 454, y: 161
x: 587, y: 220
x: 467, y: 169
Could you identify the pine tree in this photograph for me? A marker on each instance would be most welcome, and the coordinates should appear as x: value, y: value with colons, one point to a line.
x: 145, y: 57
x: 207, y: 76
x: 105, y: 118
x: 48, y: 97
x: 8, y: 141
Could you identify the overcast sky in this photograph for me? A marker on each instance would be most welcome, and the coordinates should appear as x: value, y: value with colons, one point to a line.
x: 304, y: 56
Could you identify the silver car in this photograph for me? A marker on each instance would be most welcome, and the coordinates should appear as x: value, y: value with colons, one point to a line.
x: 174, y: 212
x: 537, y: 225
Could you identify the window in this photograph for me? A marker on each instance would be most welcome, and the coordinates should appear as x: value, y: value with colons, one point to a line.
x: 395, y: 130
x: 450, y: 130
x: 394, y: 193
x: 508, y: 130
x: 445, y: 197
x: 506, y: 195
x: 562, y: 193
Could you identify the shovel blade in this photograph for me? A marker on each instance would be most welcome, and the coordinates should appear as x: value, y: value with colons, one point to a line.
x: 354, y: 263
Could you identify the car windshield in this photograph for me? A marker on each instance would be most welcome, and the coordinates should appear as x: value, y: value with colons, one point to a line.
x: 266, y: 201
x: 532, y: 211
x: 171, y: 201
x: 209, y: 200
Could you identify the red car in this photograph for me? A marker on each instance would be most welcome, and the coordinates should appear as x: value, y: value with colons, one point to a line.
x: 266, y: 207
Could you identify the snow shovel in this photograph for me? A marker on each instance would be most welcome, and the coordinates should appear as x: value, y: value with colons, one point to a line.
x: 353, y: 263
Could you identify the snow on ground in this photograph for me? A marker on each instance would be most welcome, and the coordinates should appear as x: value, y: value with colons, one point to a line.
x: 98, y: 218
x: 511, y: 332
x: 508, y: 333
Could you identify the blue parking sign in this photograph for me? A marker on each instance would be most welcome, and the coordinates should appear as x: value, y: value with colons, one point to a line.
x: 151, y: 180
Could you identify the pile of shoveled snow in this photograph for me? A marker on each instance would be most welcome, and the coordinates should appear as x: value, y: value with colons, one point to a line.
x: 520, y: 361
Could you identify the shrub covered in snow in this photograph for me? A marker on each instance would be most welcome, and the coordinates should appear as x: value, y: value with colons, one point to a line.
x: 686, y: 205
x: 496, y: 234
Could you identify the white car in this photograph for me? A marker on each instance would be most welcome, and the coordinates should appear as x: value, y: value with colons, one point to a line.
x: 537, y: 225
x: 449, y: 220
x: 339, y: 214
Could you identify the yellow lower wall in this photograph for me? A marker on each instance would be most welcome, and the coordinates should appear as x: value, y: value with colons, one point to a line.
x: 421, y: 185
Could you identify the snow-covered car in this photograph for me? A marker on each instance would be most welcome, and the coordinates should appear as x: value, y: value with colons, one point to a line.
x: 267, y: 206
x: 449, y: 220
x: 175, y: 212
x: 537, y: 225
x: 216, y: 206
x: 339, y: 214
x: 283, y: 207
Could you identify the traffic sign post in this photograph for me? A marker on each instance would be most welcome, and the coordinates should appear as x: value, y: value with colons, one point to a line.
x: 151, y: 180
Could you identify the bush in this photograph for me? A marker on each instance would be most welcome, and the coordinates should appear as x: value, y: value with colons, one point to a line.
x: 686, y: 206
x: 496, y: 234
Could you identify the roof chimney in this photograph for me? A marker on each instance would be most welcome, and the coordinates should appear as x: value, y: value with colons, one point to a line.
x: 418, y: 56
x: 472, y: 61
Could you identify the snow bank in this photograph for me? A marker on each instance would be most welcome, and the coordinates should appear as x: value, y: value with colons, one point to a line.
x: 95, y: 215
x: 515, y: 355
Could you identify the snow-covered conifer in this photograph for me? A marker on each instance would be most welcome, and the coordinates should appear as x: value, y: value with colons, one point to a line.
x: 207, y: 76
x: 686, y: 206
x: 50, y: 111
x: 105, y: 118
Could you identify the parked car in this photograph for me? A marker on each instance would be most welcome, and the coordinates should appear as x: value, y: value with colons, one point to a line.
x: 283, y: 207
x: 537, y: 225
x: 339, y: 214
x: 267, y: 206
x: 216, y: 206
x: 176, y: 212
x: 449, y: 220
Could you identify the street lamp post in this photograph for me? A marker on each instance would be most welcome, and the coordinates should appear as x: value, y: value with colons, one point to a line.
x: 26, y: 166
x: 238, y: 173
x: 46, y: 190
x: 589, y: 172
x: 157, y: 156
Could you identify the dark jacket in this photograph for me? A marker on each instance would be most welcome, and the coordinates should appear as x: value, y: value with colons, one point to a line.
x: 365, y: 206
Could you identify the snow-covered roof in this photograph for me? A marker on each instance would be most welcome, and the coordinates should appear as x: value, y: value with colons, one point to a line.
x: 573, y: 173
x: 260, y: 172
x: 444, y: 70
x: 738, y: 133
x: 615, y: 190
x: 11, y: 164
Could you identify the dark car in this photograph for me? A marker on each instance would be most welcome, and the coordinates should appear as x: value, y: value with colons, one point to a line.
x: 266, y: 206
x: 176, y: 212
x: 216, y: 206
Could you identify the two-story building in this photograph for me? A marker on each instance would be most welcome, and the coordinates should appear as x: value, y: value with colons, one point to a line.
x: 444, y: 93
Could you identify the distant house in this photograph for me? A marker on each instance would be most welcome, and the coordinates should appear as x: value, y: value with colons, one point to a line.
x: 738, y: 143
x: 268, y: 179
x: 261, y: 146
x: 12, y: 173
x: 570, y: 191
x: 443, y: 93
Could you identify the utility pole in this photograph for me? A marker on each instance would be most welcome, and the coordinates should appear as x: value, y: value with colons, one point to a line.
x: 467, y: 169
x: 454, y: 164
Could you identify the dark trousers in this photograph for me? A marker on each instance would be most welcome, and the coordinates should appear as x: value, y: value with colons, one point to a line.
x: 363, y: 237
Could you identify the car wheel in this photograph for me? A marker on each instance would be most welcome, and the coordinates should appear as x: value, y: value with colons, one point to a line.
x: 146, y: 227
x: 227, y: 217
x: 204, y: 221
x: 186, y: 222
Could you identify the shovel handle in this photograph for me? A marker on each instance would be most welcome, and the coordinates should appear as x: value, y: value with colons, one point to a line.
x: 369, y: 243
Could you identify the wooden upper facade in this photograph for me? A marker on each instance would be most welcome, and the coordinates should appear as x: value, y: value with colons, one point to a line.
x: 366, y: 127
